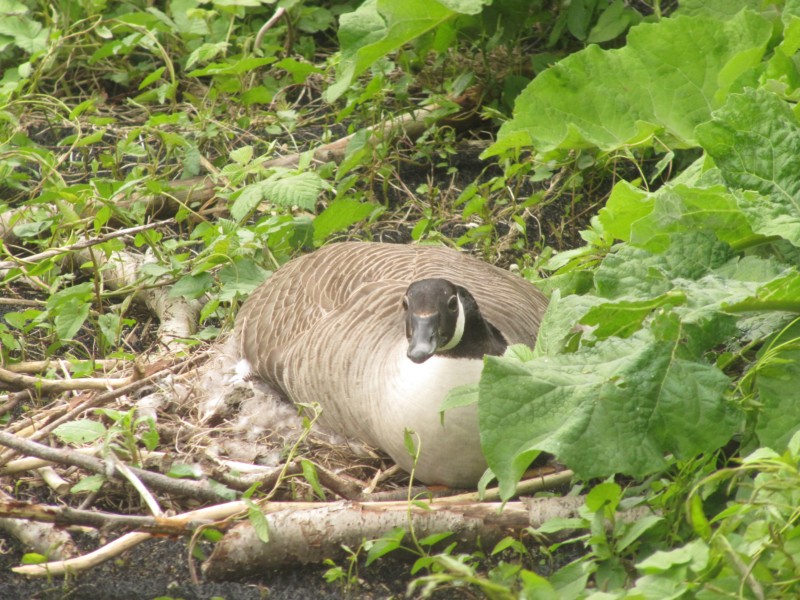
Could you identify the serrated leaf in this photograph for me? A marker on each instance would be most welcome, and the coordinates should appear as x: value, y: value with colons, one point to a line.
x: 82, y: 431
x: 301, y: 190
x: 192, y: 287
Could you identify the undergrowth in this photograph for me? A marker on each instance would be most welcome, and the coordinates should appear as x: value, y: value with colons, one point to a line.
x: 644, y: 174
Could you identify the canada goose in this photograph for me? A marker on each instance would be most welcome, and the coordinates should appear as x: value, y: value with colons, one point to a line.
x: 377, y: 334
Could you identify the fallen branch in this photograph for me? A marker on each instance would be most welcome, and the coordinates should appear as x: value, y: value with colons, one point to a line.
x: 101, y: 399
x: 33, y: 258
x: 410, y: 126
x: 177, y: 316
x: 64, y: 516
x: 188, y: 522
x: 40, y: 366
x: 56, y: 386
x: 312, y: 535
x: 198, y: 490
x: 127, y: 541
x: 40, y: 537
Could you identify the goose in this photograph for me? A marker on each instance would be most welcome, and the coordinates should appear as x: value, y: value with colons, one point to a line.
x: 377, y: 334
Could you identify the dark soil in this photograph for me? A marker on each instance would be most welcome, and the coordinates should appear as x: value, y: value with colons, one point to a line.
x: 159, y: 568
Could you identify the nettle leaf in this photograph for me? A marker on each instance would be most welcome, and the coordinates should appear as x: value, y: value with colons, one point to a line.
x: 301, y: 189
x: 617, y: 407
x: 82, y: 431
x: 665, y: 81
x: 755, y: 141
x: 379, y: 27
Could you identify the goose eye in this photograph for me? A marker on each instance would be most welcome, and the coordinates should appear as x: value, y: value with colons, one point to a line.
x: 452, y: 304
x: 405, y: 302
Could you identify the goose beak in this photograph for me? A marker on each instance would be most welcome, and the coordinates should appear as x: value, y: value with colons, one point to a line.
x: 424, y: 337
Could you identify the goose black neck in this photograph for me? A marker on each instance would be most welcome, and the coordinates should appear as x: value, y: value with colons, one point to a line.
x: 480, y: 337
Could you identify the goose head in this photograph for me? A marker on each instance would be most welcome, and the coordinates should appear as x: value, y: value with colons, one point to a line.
x: 443, y: 318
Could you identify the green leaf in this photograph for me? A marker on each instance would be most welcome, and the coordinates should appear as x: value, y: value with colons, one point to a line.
x: 617, y: 407
x: 664, y: 82
x: 82, y: 431
x: 90, y: 483
x: 623, y: 317
x: 694, y: 554
x: 755, y: 141
x: 301, y: 190
x: 463, y: 395
x: 379, y: 27
x: 390, y: 542
x: 310, y: 474
x: 71, y: 317
x: 339, y: 215
x: 258, y: 521
x: 777, y: 377
x: 184, y: 471
x: 27, y: 34
x: 192, y: 287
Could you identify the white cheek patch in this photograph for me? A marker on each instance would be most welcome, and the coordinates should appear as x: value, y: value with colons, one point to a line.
x: 458, y: 333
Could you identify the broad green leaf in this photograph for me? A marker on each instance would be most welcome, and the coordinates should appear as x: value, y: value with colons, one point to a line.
x: 192, y: 287
x: 624, y: 317
x: 755, y: 141
x: 82, y: 431
x: 70, y: 318
x: 90, y: 483
x: 664, y: 82
x: 379, y: 27
x: 782, y: 294
x: 241, y: 278
x: 26, y: 33
x: 777, y: 378
x: 340, y: 215
x: 617, y: 407
x: 630, y: 272
x: 694, y: 554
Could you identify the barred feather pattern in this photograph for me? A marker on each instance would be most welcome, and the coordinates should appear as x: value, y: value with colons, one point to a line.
x: 329, y: 328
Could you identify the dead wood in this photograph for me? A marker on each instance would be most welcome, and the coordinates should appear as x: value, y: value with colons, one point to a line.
x: 151, y: 374
x: 202, y: 189
x: 53, y: 252
x: 198, y: 490
x: 42, y: 538
x: 19, y: 381
x: 312, y: 535
x: 64, y: 516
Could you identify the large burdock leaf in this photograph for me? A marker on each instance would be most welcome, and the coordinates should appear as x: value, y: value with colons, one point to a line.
x: 755, y: 141
x: 379, y: 27
x: 665, y: 81
x: 617, y: 407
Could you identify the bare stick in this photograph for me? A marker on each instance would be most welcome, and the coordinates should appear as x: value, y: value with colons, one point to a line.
x: 200, y: 490
x: 120, y: 545
x: 30, y: 260
x: 267, y: 26
x: 56, y: 386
